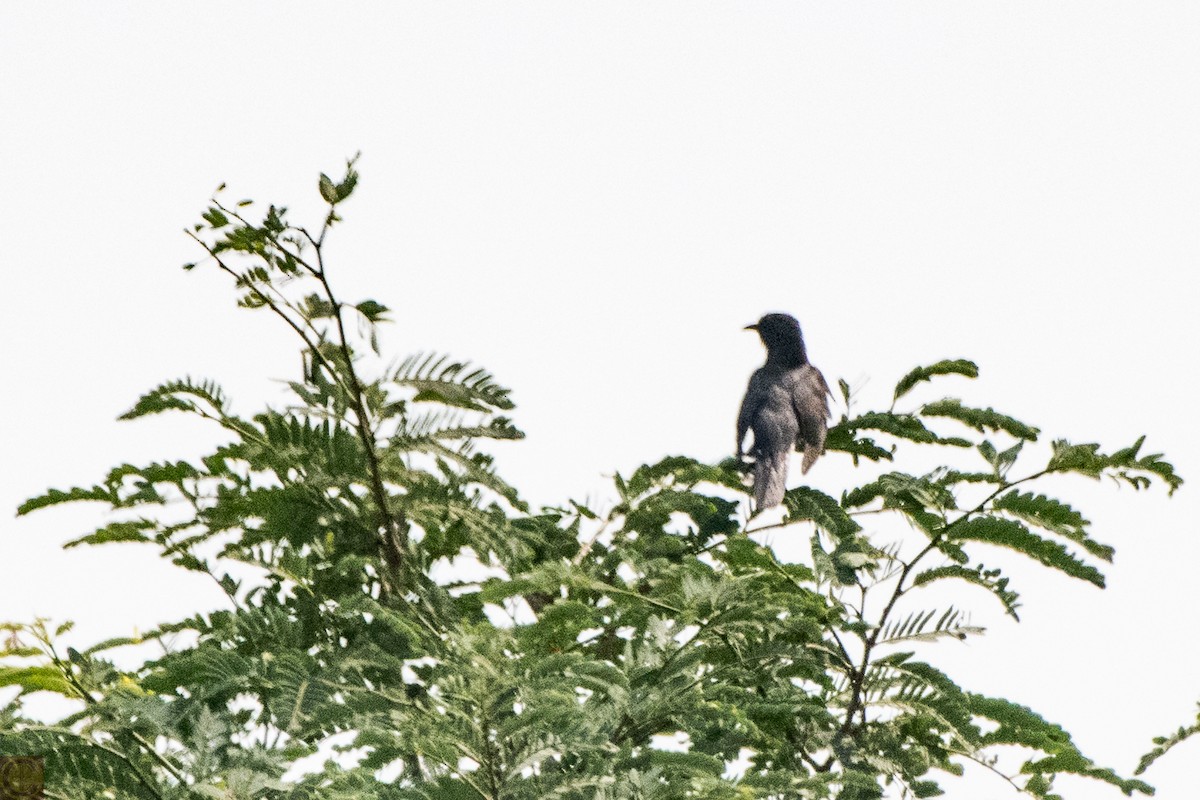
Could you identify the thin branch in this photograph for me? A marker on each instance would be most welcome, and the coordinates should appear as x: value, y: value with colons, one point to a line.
x: 258, y: 292
x: 643, y: 598
x: 842, y: 647
x: 584, y: 549
x: 274, y: 240
x: 856, y: 701
x: 396, y: 535
x: 981, y: 762
x: 149, y: 749
x: 396, y: 527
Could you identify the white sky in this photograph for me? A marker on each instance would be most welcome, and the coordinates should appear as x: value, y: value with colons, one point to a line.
x: 591, y: 199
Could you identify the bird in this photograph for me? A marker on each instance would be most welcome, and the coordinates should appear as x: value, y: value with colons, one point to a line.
x: 786, y: 405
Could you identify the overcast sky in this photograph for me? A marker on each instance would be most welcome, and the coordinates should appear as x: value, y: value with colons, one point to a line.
x: 591, y: 200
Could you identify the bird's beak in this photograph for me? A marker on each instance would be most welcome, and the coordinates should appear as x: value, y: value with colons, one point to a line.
x: 753, y: 327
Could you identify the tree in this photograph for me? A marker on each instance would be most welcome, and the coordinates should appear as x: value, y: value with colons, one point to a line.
x: 662, y: 615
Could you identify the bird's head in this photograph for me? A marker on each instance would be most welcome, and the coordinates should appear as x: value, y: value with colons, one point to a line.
x: 781, y: 335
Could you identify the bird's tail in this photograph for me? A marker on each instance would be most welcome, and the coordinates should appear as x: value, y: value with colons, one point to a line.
x: 811, y: 451
x: 770, y: 479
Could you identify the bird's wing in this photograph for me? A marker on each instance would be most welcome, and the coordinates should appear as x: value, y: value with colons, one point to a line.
x: 755, y: 397
x: 810, y: 400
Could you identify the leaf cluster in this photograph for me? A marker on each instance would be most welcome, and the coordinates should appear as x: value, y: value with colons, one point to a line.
x: 389, y: 598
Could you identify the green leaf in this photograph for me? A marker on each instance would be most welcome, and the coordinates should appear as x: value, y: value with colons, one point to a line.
x: 1018, y: 725
x: 824, y: 565
x: 852, y: 554
x: 902, y: 491
x: 37, y: 679
x: 189, y: 561
x: 902, y: 426
x: 317, y: 307
x: 329, y: 192
x: 19, y: 651
x: 346, y: 187
x: 924, y: 789
x: 844, y: 388
x: 134, y: 531
x: 1006, y: 458
x: 1086, y: 459
x: 842, y: 438
x: 806, y: 503
x: 946, y: 367
x: 215, y: 218
x: 991, y: 580
x: 1015, y: 536
x: 179, y: 395
x: 929, y: 626
x: 1162, y: 744
x: 951, y: 477
x: 1054, y: 516
x: 979, y: 418
x: 54, y: 497
x: 1072, y: 761
x: 451, y: 383
x: 109, y: 644
x: 372, y: 310
x: 690, y: 763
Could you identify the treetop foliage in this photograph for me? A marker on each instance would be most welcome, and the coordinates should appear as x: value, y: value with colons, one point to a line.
x: 408, y: 610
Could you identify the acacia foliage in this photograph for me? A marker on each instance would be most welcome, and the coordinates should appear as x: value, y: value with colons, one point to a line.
x: 327, y: 525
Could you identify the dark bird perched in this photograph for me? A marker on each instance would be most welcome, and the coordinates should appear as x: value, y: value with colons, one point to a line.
x: 786, y: 406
